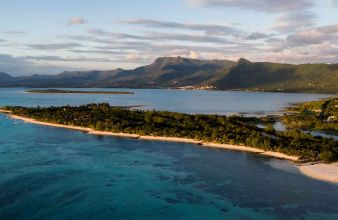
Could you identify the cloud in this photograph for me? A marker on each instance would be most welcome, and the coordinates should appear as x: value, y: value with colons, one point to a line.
x: 93, y: 51
x: 15, y: 32
x: 18, y: 66
x: 137, y: 57
x: 257, y: 36
x: 156, y: 49
x: 316, y: 44
x: 145, y: 47
x: 99, y: 48
x: 210, y: 30
x: 53, y: 46
x: 207, y: 28
x: 183, y: 53
x: 77, y: 21
x: 321, y: 53
x: 66, y: 59
x: 269, y: 6
x: 186, y: 37
x: 4, y: 43
x: 101, y: 33
x: 294, y: 21
x: 316, y: 35
x: 148, y: 58
x: 111, y: 37
x: 294, y: 48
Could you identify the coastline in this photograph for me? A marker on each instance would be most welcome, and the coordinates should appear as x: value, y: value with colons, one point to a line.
x: 324, y: 172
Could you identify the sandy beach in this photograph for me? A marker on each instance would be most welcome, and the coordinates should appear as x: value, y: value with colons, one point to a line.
x: 233, y: 147
x: 321, y: 171
x: 107, y: 133
x: 325, y: 172
x: 279, y: 155
x: 4, y: 111
x: 170, y: 139
x: 29, y: 120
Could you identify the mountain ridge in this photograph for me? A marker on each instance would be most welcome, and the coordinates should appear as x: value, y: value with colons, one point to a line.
x: 179, y: 72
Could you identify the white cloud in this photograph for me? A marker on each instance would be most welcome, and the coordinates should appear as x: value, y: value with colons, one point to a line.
x: 77, y: 21
x: 183, y: 53
x: 133, y: 57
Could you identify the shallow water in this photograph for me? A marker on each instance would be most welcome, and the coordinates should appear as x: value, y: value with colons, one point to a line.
x: 53, y: 173
x: 324, y: 134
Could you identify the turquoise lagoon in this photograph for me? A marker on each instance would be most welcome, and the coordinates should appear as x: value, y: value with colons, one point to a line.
x: 53, y: 173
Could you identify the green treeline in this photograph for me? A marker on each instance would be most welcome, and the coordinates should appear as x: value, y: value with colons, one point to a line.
x: 317, y: 116
x: 208, y: 128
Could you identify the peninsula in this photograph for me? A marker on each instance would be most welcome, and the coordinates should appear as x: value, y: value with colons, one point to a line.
x: 234, y: 130
x: 223, y: 132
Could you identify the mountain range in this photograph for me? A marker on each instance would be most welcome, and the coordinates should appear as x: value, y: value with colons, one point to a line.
x: 178, y: 72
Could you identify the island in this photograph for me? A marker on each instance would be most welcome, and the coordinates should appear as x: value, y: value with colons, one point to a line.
x: 59, y: 91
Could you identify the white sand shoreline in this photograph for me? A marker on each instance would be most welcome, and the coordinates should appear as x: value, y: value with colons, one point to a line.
x: 329, y: 172
x: 320, y: 171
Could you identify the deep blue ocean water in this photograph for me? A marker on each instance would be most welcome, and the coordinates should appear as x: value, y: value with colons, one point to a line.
x: 53, y: 173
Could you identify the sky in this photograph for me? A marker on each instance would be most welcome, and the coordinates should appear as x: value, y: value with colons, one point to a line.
x: 51, y: 36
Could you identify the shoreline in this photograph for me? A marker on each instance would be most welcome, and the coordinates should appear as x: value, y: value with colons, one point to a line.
x: 324, y: 172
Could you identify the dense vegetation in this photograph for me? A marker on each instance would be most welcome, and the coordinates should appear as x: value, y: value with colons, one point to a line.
x: 263, y: 76
x: 319, y: 116
x: 175, y: 72
x: 208, y: 128
x: 59, y: 91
